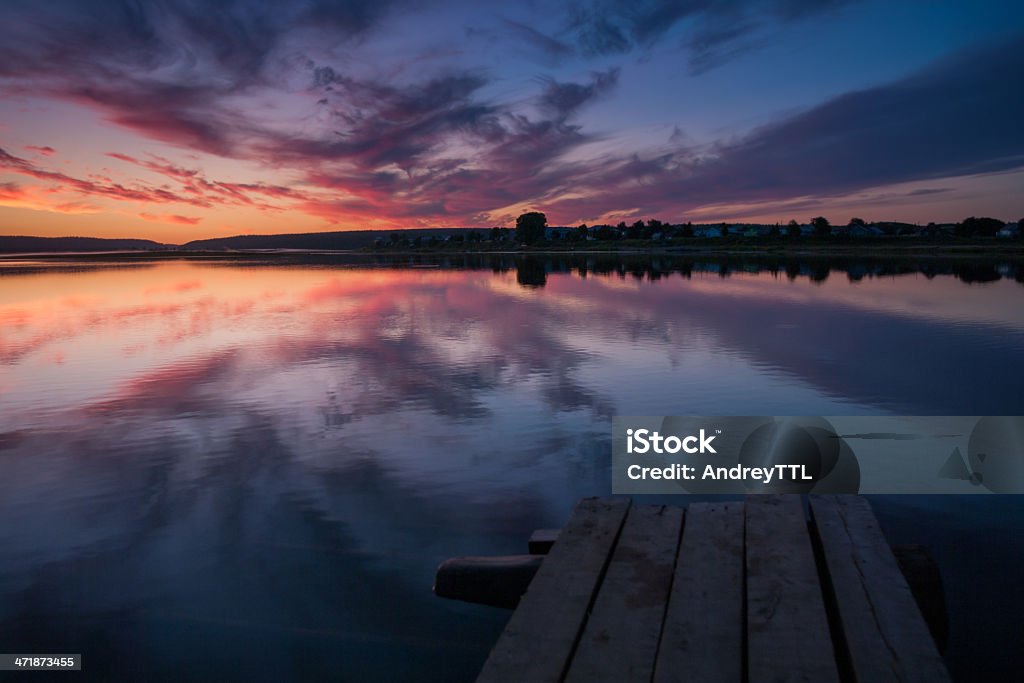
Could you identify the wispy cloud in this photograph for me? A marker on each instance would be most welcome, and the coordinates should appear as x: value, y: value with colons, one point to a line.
x: 191, y: 188
x: 711, y: 30
x: 549, y: 46
x: 925, y: 126
x: 109, y: 190
x: 171, y: 218
x: 564, y: 99
x: 46, y: 150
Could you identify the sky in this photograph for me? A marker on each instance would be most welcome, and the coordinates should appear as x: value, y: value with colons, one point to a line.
x: 176, y: 120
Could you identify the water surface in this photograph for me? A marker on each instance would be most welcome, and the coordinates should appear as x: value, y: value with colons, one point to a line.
x: 248, y: 468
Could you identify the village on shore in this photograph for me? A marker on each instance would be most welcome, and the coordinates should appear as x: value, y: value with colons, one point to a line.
x: 532, y: 233
x: 532, y: 229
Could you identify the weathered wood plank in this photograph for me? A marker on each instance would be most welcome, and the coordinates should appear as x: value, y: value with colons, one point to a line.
x: 541, y: 634
x: 620, y: 640
x: 702, y: 638
x: 885, y: 635
x: 788, y: 635
x: 541, y: 541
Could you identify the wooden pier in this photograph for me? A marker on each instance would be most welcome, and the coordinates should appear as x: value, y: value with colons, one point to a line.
x: 757, y: 591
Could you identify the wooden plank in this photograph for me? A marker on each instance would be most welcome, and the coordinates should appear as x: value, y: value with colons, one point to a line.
x: 788, y: 635
x: 541, y: 634
x: 702, y: 639
x: 885, y: 635
x: 620, y: 640
x: 541, y: 541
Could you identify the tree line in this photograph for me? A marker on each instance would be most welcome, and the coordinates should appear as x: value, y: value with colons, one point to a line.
x: 532, y: 227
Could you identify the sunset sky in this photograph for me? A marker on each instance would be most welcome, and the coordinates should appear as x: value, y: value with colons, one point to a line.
x: 183, y: 119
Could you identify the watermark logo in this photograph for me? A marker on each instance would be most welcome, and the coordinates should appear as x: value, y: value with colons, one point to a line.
x: 812, y: 454
x: 646, y: 441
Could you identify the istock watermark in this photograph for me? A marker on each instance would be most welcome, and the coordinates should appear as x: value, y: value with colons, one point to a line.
x: 817, y: 454
x: 646, y: 440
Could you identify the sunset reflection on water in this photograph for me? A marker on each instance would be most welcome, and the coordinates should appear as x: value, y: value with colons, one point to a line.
x: 207, y: 452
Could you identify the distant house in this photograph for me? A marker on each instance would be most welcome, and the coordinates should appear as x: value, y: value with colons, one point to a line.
x: 707, y: 231
x: 1009, y: 231
x: 556, y: 233
x: 864, y: 231
x: 936, y: 230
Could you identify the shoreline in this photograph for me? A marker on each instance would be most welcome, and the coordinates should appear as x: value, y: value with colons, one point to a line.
x: 1012, y: 250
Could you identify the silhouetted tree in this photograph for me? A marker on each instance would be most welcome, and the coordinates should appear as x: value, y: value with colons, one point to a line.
x: 474, y: 236
x: 856, y: 221
x: 822, y: 228
x: 687, y: 230
x: 978, y: 227
x: 530, y: 227
x: 774, y: 232
x: 582, y: 231
x: 495, y: 233
x: 793, y: 229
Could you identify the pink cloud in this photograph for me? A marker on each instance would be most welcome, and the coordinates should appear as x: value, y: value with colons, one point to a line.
x: 171, y: 218
x: 11, y: 192
x: 46, y: 151
x: 138, y: 193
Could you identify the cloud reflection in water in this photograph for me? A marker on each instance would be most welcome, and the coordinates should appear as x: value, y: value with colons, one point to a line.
x: 280, y: 455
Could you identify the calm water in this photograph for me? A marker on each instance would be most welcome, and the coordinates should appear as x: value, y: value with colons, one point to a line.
x: 249, y: 469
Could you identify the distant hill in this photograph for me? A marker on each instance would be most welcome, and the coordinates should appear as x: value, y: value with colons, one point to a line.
x: 355, y: 239
x: 22, y: 244
x: 328, y: 241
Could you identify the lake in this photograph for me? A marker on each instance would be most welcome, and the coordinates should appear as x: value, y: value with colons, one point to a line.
x: 248, y: 468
